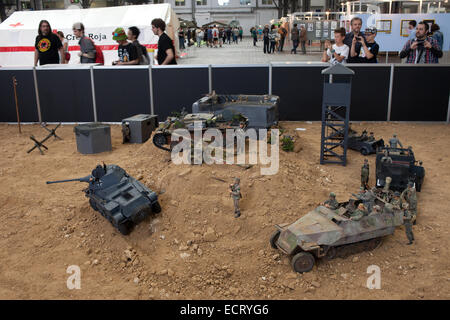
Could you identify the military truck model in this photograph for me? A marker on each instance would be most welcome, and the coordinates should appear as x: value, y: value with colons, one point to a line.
x: 324, y: 232
x: 120, y: 198
x: 227, y: 119
x: 401, y: 165
x: 261, y: 110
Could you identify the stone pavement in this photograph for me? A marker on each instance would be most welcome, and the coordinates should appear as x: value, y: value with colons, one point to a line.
x: 245, y: 53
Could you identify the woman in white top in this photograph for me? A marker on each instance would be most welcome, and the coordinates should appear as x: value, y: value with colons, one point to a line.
x: 338, y: 52
x: 65, y: 44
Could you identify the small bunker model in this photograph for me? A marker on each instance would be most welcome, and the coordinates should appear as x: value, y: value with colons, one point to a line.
x: 226, y: 119
x: 324, y: 232
x: 120, y: 198
x: 401, y: 165
x: 261, y: 110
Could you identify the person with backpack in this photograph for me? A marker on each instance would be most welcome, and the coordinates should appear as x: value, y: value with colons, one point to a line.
x: 133, y: 34
x: 87, y: 52
x: 127, y: 52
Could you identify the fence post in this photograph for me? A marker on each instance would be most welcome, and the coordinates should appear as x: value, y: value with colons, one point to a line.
x: 94, y: 103
x: 270, y: 78
x: 210, y: 78
x: 391, y: 85
x: 448, y: 110
x: 36, y: 90
x: 150, y: 84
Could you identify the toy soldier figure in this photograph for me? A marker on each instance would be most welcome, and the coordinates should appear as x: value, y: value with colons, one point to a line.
x: 407, y: 222
x: 376, y: 209
x: 409, y: 195
x: 331, y: 203
x: 394, y: 141
x: 365, y: 174
x: 358, y: 213
x: 396, y: 202
x: 240, y: 135
x: 235, y: 193
x: 386, y: 157
x: 371, y: 137
x: 364, y: 135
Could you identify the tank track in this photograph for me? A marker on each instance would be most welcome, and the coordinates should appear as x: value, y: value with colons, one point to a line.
x: 347, y: 250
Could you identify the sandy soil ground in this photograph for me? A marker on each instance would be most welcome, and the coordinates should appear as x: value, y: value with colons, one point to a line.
x: 196, y: 249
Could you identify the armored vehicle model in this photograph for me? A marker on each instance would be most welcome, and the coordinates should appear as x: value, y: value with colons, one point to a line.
x: 324, y: 232
x: 363, y: 143
x: 401, y: 165
x: 222, y: 121
x: 120, y: 198
x: 261, y: 110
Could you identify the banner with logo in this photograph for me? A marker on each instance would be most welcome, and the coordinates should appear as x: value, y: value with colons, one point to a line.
x: 18, y: 32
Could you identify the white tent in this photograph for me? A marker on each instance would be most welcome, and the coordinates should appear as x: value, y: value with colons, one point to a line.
x: 19, y: 31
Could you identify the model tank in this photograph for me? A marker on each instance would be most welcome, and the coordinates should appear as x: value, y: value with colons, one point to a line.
x: 261, y: 110
x: 324, y: 232
x: 120, y: 198
x: 190, y: 121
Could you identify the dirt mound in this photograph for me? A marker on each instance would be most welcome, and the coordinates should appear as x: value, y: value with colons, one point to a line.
x: 196, y: 249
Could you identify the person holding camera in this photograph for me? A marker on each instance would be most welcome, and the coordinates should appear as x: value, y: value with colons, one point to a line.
x: 338, y: 52
x: 368, y: 50
x: 422, y: 49
x: 356, y: 24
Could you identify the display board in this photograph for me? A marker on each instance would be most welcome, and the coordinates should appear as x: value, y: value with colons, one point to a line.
x: 318, y: 29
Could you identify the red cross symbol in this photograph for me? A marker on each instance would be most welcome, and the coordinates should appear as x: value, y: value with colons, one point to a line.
x: 18, y: 24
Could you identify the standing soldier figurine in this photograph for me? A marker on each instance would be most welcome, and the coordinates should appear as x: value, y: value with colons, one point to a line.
x: 407, y: 222
x: 409, y: 195
x: 394, y: 141
x: 365, y: 175
x: 235, y: 193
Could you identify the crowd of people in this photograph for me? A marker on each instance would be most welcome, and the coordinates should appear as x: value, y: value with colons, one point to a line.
x: 52, y: 48
x: 212, y: 36
x: 424, y: 44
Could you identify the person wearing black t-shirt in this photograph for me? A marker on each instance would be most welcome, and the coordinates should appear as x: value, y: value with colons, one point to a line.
x: 166, y: 50
x: 354, y: 40
x: 47, y: 45
x: 369, y: 50
x: 127, y: 51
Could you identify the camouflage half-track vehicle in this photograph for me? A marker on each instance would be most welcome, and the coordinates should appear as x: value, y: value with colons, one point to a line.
x: 363, y: 143
x: 261, y: 110
x: 120, y: 198
x: 401, y: 165
x: 324, y: 232
x: 227, y: 119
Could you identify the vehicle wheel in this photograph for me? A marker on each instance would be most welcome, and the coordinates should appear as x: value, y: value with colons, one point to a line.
x: 125, y: 228
x: 331, y: 253
x: 374, y: 243
x: 274, y: 238
x: 302, y: 262
x: 364, y: 151
x: 156, y: 207
x: 159, y: 139
x: 418, y: 186
x: 93, y: 204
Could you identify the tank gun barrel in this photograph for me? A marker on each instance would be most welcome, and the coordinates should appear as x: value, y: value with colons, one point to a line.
x: 84, y: 179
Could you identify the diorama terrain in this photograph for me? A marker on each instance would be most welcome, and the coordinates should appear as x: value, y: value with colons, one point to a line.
x: 196, y: 249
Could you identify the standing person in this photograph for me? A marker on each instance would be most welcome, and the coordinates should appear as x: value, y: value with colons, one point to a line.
x: 205, y: 36
x: 272, y: 38
x: 188, y: 35
x: 338, y: 52
x: 303, y: 38
x: 422, y: 49
x: 283, y: 32
x: 215, y: 34
x: 47, y: 46
x: 210, y: 37
x: 255, y: 36
x: 87, y: 49
x: 365, y: 175
x: 181, y: 39
x: 235, y: 35
x: 356, y: 24
x: 369, y: 48
x: 200, y: 35
x: 295, y: 36
x: 229, y: 35
x: 266, y: 40
x: 127, y: 52
x: 133, y: 35
x: 412, y: 29
x: 65, y: 44
x: 166, y: 50
x: 437, y: 35
x: 235, y: 193
x: 224, y: 35
x: 240, y: 33
x: 260, y: 31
